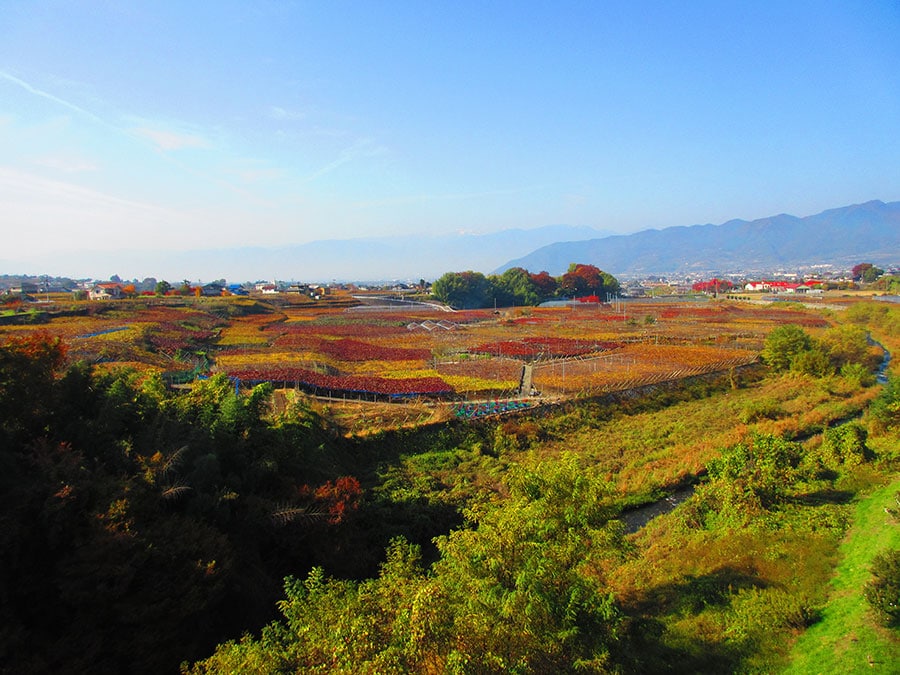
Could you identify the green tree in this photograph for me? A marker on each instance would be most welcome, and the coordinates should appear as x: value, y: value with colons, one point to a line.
x: 812, y: 361
x: 866, y: 272
x: 872, y: 274
x: 845, y: 344
x: 137, y: 552
x: 515, y: 287
x: 888, y: 283
x: 885, y: 409
x: 163, y: 287
x: 843, y: 446
x: 522, y: 589
x: 783, y: 345
x: 463, y: 290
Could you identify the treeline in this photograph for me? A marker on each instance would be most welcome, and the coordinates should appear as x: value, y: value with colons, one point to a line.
x: 518, y: 286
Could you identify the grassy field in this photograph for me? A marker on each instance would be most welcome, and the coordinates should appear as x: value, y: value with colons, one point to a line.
x: 847, y: 639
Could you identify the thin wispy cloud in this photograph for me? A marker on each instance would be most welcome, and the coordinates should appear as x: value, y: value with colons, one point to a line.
x: 254, y: 171
x: 66, y: 164
x: 362, y: 149
x: 31, y: 185
x: 171, y: 140
x: 162, y: 139
x: 50, y: 97
x: 284, y: 115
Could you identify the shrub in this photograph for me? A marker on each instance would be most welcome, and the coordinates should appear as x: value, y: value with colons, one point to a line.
x: 749, y: 478
x: 783, y: 345
x: 812, y: 362
x: 883, y: 589
x: 857, y: 374
x: 885, y: 409
x: 844, y: 446
x: 763, y: 409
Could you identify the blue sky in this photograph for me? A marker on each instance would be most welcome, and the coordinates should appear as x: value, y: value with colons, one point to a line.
x: 172, y: 126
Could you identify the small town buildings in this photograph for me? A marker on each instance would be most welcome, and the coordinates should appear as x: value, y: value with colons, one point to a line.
x: 784, y: 286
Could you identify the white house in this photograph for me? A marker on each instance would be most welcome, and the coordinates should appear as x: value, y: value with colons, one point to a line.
x: 106, y: 291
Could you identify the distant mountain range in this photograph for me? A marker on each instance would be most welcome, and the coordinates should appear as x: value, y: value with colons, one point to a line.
x: 844, y: 236
x: 408, y: 257
x: 386, y: 258
x: 841, y: 237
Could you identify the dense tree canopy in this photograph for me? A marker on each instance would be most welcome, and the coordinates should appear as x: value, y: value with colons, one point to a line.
x: 582, y: 280
x: 463, y: 290
x: 517, y: 286
x: 521, y: 590
x: 137, y: 526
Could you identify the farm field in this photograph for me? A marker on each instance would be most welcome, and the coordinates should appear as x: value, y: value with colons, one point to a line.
x: 415, y: 354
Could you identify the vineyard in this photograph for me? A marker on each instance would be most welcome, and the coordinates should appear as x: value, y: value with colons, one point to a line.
x: 414, y: 353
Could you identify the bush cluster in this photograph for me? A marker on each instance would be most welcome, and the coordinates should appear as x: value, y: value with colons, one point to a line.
x: 883, y: 589
x: 842, y: 349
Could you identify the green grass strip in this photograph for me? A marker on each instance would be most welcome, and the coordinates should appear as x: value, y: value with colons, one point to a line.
x: 847, y: 639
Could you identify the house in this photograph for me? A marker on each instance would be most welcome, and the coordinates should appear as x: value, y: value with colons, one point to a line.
x: 212, y: 290
x: 25, y: 288
x: 106, y: 291
x: 783, y: 286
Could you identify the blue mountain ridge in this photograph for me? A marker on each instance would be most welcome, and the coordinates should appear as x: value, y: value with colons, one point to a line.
x: 868, y: 232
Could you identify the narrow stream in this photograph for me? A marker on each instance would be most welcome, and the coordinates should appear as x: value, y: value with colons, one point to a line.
x: 635, y: 519
x: 881, y: 374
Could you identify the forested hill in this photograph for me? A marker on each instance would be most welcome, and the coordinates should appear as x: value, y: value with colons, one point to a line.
x: 841, y: 236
